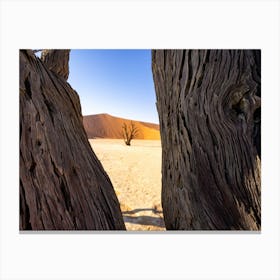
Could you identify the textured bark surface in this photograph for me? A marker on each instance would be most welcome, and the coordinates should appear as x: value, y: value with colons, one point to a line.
x: 57, y: 61
x: 63, y: 186
x: 209, y: 108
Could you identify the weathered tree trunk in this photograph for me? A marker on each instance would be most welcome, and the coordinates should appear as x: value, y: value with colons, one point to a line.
x: 209, y: 109
x: 63, y: 186
x: 57, y: 61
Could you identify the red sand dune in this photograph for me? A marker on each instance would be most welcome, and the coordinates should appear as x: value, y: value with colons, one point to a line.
x: 107, y: 126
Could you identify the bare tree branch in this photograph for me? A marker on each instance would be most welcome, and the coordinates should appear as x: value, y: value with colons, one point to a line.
x: 35, y: 51
x: 129, y: 133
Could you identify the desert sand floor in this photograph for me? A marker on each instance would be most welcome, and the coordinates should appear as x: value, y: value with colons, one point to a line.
x: 135, y: 172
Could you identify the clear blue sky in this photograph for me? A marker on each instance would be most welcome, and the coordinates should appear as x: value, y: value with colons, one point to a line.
x: 117, y: 82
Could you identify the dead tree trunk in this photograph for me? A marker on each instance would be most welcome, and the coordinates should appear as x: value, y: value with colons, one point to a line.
x: 57, y: 61
x: 209, y: 109
x: 63, y: 186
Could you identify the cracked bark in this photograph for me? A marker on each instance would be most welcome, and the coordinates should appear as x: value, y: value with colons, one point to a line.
x: 209, y: 109
x: 63, y: 186
x: 57, y: 61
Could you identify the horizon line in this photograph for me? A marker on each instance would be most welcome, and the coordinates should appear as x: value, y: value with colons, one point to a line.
x: 125, y: 118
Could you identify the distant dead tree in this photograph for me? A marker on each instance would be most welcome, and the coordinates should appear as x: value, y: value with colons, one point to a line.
x: 129, y: 132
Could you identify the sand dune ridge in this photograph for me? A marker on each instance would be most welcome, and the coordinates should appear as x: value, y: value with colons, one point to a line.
x: 107, y: 126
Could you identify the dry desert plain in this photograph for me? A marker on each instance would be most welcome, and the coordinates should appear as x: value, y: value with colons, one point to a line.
x: 135, y: 172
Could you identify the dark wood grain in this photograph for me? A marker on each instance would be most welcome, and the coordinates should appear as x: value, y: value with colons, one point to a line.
x: 57, y: 61
x: 63, y: 186
x: 209, y: 109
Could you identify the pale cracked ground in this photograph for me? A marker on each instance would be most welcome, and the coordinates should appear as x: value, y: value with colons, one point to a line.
x: 135, y: 172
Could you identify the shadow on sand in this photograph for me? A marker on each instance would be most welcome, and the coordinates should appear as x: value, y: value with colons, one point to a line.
x: 144, y: 219
x: 154, y: 210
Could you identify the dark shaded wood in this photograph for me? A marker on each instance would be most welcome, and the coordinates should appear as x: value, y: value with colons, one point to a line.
x: 63, y: 186
x: 209, y: 109
x: 57, y: 61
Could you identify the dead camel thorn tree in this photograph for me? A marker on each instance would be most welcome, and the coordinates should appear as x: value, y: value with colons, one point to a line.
x: 129, y: 132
